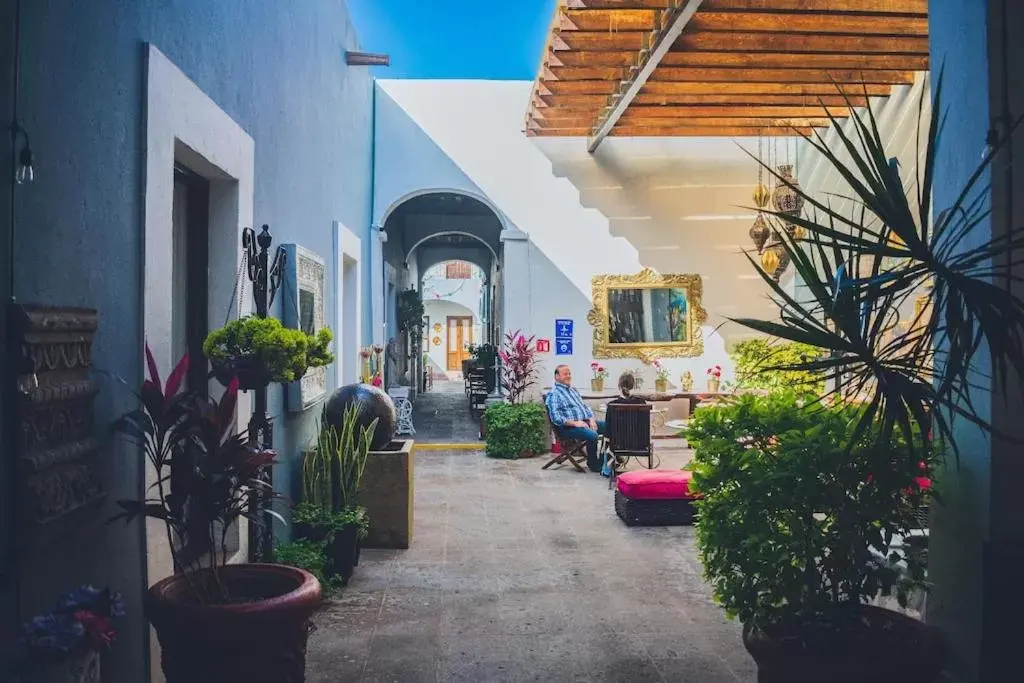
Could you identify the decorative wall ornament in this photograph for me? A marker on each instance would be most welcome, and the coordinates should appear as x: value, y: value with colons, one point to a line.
x: 302, y: 308
x: 785, y: 197
x: 681, y: 322
x: 759, y: 232
x: 56, y: 447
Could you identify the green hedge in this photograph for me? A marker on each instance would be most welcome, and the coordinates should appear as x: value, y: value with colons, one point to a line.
x: 515, y: 429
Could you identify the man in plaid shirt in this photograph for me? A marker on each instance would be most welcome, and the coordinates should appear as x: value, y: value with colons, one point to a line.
x: 572, y: 417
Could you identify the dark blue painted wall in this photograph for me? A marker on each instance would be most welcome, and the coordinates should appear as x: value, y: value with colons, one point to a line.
x: 277, y: 68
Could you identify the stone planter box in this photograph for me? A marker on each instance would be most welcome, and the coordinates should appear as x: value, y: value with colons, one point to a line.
x: 387, y: 494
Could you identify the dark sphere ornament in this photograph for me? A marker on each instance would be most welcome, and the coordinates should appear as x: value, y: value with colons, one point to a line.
x: 371, y: 403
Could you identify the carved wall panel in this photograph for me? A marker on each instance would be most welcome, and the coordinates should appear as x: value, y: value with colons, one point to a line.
x: 56, y: 447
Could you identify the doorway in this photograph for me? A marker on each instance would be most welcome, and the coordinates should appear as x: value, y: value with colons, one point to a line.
x: 190, y: 221
x: 460, y: 336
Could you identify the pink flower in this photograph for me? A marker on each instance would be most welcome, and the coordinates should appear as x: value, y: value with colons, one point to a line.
x: 870, y: 478
x: 922, y: 466
x: 594, y: 365
x: 600, y: 368
x: 923, y: 483
x: 377, y: 381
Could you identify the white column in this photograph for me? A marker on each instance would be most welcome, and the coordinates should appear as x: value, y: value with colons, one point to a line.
x: 515, y: 291
x: 377, y: 301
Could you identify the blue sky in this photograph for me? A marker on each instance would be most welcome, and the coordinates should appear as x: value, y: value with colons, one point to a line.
x: 454, y: 38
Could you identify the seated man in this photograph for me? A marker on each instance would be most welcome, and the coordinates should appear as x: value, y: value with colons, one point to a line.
x: 572, y: 417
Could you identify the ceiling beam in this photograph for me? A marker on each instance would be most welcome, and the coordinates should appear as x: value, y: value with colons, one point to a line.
x: 694, y: 131
x: 815, y: 24
x: 575, y: 104
x: 751, y: 41
x: 680, y: 17
x: 674, y: 122
x: 609, y: 20
x: 851, y: 76
x: 747, y: 88
x: 774, y: 60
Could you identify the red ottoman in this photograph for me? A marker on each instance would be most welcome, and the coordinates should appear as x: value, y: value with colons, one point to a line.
x: 654, y: 498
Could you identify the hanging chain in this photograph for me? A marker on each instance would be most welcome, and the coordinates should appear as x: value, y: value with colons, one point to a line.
x: 238, y: 291
x: 760, y: 160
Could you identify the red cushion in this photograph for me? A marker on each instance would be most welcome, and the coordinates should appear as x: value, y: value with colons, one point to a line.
x: 656, y: 484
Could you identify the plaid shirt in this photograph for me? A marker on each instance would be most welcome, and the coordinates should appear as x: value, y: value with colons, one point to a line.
x: 566, y: 405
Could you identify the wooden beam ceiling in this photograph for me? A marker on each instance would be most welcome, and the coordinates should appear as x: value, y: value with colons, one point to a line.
x: 737, y: 65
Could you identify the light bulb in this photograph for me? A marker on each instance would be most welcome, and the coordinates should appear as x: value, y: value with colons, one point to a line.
x: 25, y: 172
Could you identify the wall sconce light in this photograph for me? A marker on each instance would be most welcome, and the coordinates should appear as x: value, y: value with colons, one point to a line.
x: 24, y: 173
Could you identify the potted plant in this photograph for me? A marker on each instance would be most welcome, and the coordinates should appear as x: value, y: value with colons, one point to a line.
x: 598, y: 375
x: 516, y: 430
x: 907, y: 379
x: 802, y: 522
x: 258, y: 351
x: 331, y: 476
x: 714, y: 378
x: 207, y: 477
x: 660, y: 377
x: 519, y: 365
x: 72, y: 635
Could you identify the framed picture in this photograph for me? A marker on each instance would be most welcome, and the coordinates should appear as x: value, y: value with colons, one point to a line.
x: 302, y: 305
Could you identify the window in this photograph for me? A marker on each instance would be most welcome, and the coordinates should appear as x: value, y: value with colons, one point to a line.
x: 458, y: 270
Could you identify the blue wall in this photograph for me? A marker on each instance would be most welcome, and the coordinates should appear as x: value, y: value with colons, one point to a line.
x: 277, y: 68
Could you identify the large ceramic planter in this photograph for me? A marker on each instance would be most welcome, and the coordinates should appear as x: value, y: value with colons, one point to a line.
x: 893, y: 648
x: 261, y: 638
x: 387, y: 494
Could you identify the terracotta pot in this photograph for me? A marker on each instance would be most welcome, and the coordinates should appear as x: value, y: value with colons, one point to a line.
x: 893, y: 648
x: 259, y: 641
x: 250, y: 372
x: 597, y: 385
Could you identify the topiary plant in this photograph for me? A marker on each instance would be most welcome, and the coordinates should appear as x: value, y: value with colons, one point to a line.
x: 267, y: 349
x: 515, y: 429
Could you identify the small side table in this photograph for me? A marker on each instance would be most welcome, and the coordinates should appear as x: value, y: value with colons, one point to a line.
x: 403, y: 407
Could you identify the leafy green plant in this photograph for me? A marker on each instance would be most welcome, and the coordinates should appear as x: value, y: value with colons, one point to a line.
x: 860, y: 267
x: 283, y: 352
x: 755, y: 358
x: 515, y: 429
x: 411, y: 312
x: 311, y: 556
x: 796, y: 528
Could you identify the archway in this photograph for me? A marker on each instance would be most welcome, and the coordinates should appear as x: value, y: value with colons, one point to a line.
x: 424, y: 230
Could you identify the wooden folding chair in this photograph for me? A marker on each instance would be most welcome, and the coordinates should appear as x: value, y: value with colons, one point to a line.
x: 627, y: 433
x: 572, y: 451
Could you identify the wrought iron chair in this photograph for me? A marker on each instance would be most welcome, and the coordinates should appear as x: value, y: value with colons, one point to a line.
x: 627, y: 434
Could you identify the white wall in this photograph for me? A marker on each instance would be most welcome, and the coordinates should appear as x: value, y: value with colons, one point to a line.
x: 672, y: 206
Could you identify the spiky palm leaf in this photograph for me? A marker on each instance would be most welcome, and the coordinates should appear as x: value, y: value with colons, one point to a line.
x: 861, y: 267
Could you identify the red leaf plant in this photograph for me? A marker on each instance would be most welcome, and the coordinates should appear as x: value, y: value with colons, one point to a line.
x: 519, y: 365
x: 207, y: 474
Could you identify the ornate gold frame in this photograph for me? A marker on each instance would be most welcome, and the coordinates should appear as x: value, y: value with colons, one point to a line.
x: 648, y: 279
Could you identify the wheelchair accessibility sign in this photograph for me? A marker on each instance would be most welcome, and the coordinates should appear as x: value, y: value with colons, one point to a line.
x: 563, y: 337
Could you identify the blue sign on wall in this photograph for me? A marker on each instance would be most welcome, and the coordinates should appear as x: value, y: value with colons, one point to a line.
x: 563, y: 337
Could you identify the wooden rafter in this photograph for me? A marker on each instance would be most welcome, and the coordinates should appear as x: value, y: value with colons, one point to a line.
x: 778, y: 64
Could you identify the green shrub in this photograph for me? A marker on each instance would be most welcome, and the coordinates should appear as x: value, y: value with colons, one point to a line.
x: 286, y: 353
x: 515, y: 429
x: 756, y: 358
x: 798, y: 517
x: 311, y: 556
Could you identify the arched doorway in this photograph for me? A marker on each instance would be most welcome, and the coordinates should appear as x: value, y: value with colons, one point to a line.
x: 426, y: 231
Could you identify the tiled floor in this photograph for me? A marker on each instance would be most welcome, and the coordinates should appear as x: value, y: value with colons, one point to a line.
x: 518, y: 574
x: 442, y: 415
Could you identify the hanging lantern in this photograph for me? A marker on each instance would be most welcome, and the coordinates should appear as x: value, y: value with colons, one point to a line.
x: 759, y: 232
x: 786, y: 198
x: 770, y: 260
x: 762, y: 195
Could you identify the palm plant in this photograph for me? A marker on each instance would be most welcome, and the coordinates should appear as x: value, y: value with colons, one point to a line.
x: 861, y: 268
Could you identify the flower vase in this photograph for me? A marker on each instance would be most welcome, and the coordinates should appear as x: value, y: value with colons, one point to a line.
x: 84, y: 668
x: 597, y: 385
x: 365, y: 374
x: 661, y: 385
x: 713, y: 384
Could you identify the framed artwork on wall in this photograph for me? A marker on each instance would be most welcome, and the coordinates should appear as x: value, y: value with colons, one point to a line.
x: 302, y: 307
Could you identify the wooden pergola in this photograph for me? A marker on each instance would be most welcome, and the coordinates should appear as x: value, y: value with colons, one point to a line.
x: 720, y: 67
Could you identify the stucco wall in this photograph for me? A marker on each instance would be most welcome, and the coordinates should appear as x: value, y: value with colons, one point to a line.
x: 277, y: 69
